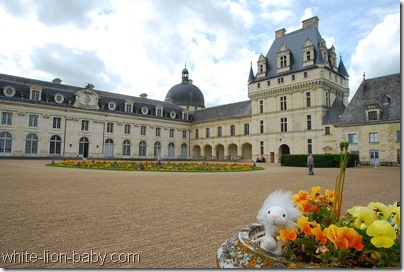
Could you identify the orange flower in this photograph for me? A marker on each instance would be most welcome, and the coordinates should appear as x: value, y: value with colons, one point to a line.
x: 318, y: 233
x: 287, y: 234
x: 315, y: 191
x: 304, y: 225
x: 343, y: 237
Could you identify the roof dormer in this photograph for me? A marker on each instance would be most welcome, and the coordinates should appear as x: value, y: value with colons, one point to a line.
x: 283, y: 59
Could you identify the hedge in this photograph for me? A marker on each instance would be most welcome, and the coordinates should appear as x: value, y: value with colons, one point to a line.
x: 320, y: 160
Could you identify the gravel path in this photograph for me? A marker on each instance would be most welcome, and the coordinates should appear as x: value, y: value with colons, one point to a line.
x: 66, y: 217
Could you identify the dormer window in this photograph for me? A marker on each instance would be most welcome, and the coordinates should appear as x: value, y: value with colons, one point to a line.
x: 129, y: 106
x: 372, y: 115
x: 111, y: 106
x: 262, y: 66
x: 9, y: 91
x: 35, y: 92
x: 308, y: 53
x: 283, y: 59
x: 373, y: 112
x: 159, y: 111
x: 185, y: 115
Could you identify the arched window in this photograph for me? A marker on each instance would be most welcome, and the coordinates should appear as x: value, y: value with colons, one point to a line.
x: 142, y: 149
x: 109, y: 148
x: 84, y: 147
x: 5, y: 143
x: 126, y: 148
x: 31, y: 144
x: 184, y: 151
x: 55, y: 145
x: 157, y: 150
x: 171, y: 151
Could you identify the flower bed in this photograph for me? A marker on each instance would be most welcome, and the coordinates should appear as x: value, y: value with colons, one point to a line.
x: 158, y: 166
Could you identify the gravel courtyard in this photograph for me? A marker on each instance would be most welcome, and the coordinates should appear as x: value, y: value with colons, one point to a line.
x: 81, y: 218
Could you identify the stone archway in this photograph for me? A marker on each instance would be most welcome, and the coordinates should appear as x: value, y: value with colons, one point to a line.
x: 233, y: 153
x: 208, y: 152
x: 246, y: 150
x: 220, y: 152
x: 283, y: 150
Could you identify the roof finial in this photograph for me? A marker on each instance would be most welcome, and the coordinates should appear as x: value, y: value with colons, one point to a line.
x: 363, y: 76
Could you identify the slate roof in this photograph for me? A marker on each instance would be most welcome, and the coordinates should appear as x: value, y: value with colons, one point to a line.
x: 233, y: 110
x: 294, y: 41
x: 334, y: 112
x: 50, y: 89
x: 384, y: 92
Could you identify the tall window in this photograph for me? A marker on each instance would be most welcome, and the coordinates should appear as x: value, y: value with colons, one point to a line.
x: 184, y: 134
x: 84, y: 125
x: 35, y: 95
x: 352, y: 138
x: 142, y: 130
x: 31, y: 144
x: 33, y: 120
x: 283, y: 61
x: 398, y: 136
x: 127, y: 129
x: 142, y: 149
x: 308, y: 99
x: 57, y: 121
x: 309, y: 146
x: 308, y: 56
x: 246, y: 129
x: 196, y: 133
x: 110, y: 127
x: 219, y: 131
x: 207, y: 132
x: 284, y: 124
x: 261, y: 126
x: 55, y: 145
x: 283, y: 103
x: 157, y: 149
x: 327, y: 99
x: 171, y: 133
x: 232, y: 130
x: 373, y: 137
x: 308, y: 122
x: 158, y: 132
x: 6, y: 140
x: 261, y: 106
x: 126, y: 148
x: 6, y: 118
x: 128, y: 107
x: 327, y: 131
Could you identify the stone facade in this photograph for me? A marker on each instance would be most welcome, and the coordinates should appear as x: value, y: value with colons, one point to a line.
x: 298, y: 104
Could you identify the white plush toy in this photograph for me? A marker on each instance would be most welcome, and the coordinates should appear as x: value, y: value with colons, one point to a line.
x: 278, y: 212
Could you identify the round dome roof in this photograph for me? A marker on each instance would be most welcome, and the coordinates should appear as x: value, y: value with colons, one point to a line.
x: 185, y: 93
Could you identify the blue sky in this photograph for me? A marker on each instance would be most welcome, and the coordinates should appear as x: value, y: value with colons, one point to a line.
x: 141, y: 46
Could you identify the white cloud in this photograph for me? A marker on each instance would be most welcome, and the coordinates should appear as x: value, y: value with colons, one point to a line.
x: 378, y: 54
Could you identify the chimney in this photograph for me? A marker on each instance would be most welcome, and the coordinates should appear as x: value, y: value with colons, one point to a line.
x: 311, y: 22
x: 143, y: 95
x: 280, y: 33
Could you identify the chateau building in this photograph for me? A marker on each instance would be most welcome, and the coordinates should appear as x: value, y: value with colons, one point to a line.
x: 298, y: 104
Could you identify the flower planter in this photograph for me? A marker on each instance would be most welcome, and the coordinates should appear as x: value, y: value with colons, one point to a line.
x: 243, y: 251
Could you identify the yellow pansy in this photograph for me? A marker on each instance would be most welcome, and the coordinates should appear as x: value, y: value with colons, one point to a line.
x: 383, y: 234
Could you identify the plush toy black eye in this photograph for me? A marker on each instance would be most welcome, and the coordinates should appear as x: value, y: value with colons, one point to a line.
x: 284, y: 215
x: 269, y: 212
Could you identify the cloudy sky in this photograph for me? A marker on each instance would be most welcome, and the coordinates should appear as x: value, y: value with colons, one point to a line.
x: 134, y: 47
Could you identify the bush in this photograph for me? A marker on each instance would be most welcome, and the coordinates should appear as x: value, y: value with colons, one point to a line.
x: 320, y: 160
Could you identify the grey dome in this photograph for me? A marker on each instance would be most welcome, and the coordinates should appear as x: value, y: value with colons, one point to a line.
x: 185, y: 93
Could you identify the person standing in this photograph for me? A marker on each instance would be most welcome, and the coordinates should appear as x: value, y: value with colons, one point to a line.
x: 310, y: 164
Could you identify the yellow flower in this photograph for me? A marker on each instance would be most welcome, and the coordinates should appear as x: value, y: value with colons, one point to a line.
x: 393, y: 211
x: 364, y: 216
x: 383, y: 234
x: 380, y: 209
